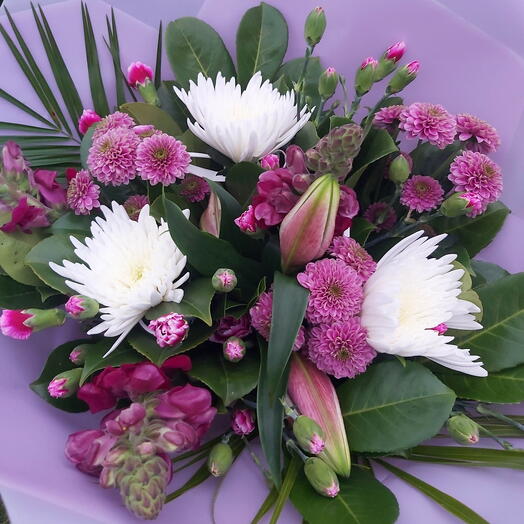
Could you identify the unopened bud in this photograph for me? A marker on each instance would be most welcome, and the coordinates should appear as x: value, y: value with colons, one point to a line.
x: 404, y: 76
x: 315, y: 26
x: 327, y: 83
x: 463, y: 430
x: 455, y: 205
x: 80, y: 307
x: 270, y: 162
x: 321, y: 477
x: 389, y: 59
x: 224, y: 280
x: 211, y: 217
x: 399, y: 169
x: 220, y: 459
x: 78, y: 355
x: 309, y: 435
x: 44, y: 318
x: 234, y: 349
x: 65, y: 384
x: 365, y: 76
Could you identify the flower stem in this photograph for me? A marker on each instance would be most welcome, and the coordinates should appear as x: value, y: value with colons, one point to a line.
x: 484, y: 410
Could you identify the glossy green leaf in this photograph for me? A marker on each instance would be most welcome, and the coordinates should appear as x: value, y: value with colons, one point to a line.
x: 485, y: 272
x: 293, y: 70
x: 241, y: 181
x: 85, y: 145
x: 261, y: 42
x: 57, y: 362
x: 361, y: 229
x: 170, y: 102
x: 149, y: 114
x: 474, y: 233
x: 307, y: 137
x: 194, y: 47
x: 230, y: 381
x: 454, y: 506
x: 13, y: 250
x: 70, y: 223
x: 409, y: 404
x: 158, y: 61
x: 14, y: 295
x: 362, y: 500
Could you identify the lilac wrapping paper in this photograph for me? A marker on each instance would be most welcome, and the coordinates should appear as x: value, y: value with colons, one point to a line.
x: 462, y: 67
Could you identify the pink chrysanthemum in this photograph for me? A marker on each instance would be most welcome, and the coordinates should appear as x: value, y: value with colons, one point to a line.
x: 112, y: 156
x: 194, y: 188
x: 162, y: 159
x: 82, y: 193
x: 134, y: 204
x: 354, y: 255
x: 475, y: 173
x: 387, y: 116
x: 429, y: 122
x: 382, y: 215
x: 335, y: 291
x: 12, y: 324
x: 421, y: 193
x: 113, y: 121
x: 480, y: 135
x: 340, y: 348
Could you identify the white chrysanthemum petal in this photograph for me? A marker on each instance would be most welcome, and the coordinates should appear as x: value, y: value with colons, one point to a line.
x: 408, y: 295
x: 241, y: 124
x: 127, y: 266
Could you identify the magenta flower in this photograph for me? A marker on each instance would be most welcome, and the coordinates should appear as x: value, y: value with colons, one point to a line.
x: 348, y: 207
x: 83, y: 194
x: 96, y: 397
x: 134, y: 204
x: 194, y: 188
x: 51, y: 192
x: 340, y: 348
x: 74, y: 306
x: 169, y: 329
x: 369, y: 61
x: 143, y: 377
x: 234, y: 349
x: 25, y: 217
x: 479, y: 135
x: 247, y: 221
x: 162, y: 159
x: 243, y: 422
x: 476, y: 174
x: 354, y: 255
x: 112, y: 156
x: 395, y: 52
x: 13, y: 160
x: 388, y: 116
x: 475, y: 204
x: 57, y: 387
x: 231, y: 327
x: 128, y: 419
x: 270, y: 162
x: 145, y: 130
x: 296, y: 160
x: 335, y: 291
x: 428, y: 122
x: 138, y: 74
x: 113, y: 121
x: 382, y: 215
x: 421, y: 193
x: 88, y: 449
x: 87, y: 119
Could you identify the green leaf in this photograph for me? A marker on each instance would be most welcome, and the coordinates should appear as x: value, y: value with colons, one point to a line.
x: 13, y: 250
x: 485, y: 272
x: 409, y: 404
x: 72, y: 224
x: 241, y: 181
x: 85, y: 145
x: 194, y: 47
x: 26, y: 128
x: 362, y: 500
x: 14, y: 295
x: 261, y: 42
x: 454, y: 506
x: 290, y: 476
x: 31, y: 112
x: 57, y: 362
x: 361, y: 229
x: 377, y: 144
x: 293, y: 70
x: 230, y: 381
x: 158, y: 61
x: 307, y: 137
x: 474, y: 233
x: 499, y: 344
x: 170, y: 102
x: 114, y: 49
x: 149, y: 114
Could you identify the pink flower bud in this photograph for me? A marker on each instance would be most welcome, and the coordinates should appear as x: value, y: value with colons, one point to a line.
x: 78, y: 355
x: 231, y: 327
x: 80, y: 307
x: 65, y: 384
x: 413, y: 67
x: 270, y: 162
x: 12, y: 158
x: 169, y: 329
x: 88, y: 449
x: 87, y: 119
x: 139, y: 74
x: 243, y: 422
x: 212, y: 216
x: 234, y: 349
x: 247, y: 221
x: 369, y: 62
x: 307, y: 230
x: 145, y: 130
x: 177, y: 435
x: 224, y: 280
x: 296, y: 160
x: 146, y: 449
x: 26, y: 217
x: 396, y: 51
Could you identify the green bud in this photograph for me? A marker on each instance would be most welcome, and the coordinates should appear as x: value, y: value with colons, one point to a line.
x: 404, y: 76
x: 399, y: 169
x: 78, y: 355
x: 224, y: 280
x: 65, y: 384
x: 327, y: 83
x: 463, y: 430
x: 80, y: 307
x: 365, y: 76
x: 220, y: 459
x: 454, y: 206
x: 384, y: 68
x: 149, y: 94
x: 315, y: 26
x: 44, y: 318
x: 309, y: 435
x: 321, y: 477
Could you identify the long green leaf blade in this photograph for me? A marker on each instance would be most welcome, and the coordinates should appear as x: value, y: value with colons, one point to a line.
x: 266, y: 505
x: 24, y: 127
x: 31, y: 112
x: 287, y: 485
x: 158, y: 66
x: 114, y: 48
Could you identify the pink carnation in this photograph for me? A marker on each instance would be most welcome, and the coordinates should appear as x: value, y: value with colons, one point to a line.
x: 194, y: 188
x: 138, y: 74
x: 231, y: 327
x: 480, y: 135
x: 421, y: 193
x: 169, y: 329
x: 475, y: 204
x: 112, y: 156
x: 243, y: 422
x: 247, y: 221
x: 162, y: 159
x: 12, y: 324
x: 388, y: 116
x: 428, y: 122
x: 382, y: 215
x: 354, y: 255
x: 113, y: 121
x: 134, y: 204
x: 335, y: 291
x: 340, y: 348
x: 57, y: 387
x: 87, y: 119
x: 82, y: 194
x: 348, y: 207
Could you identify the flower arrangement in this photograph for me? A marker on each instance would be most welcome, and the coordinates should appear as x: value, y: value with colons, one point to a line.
x: 249, y: 247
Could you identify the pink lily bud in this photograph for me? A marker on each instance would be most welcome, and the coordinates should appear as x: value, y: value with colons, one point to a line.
x: 307, y: 230
x: 139, y: 74
x: 270, y: 162
x: 87, y: 119
x: 296, y: 160
x: 169, y: 329
x: 234, y: 349
x: 243, y: 422
x: 396, y: 51
x: 247, y: 221
x: 65, y: 384
x: 88, y: 449
x: 211, y: 217
x: 12, y: 158
x: 314, y: 395
x: 81, y: 308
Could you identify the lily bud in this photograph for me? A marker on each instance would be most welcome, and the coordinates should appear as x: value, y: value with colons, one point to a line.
x: 307, y: 230
x: 404, y: 76
x: 463, y: 430
x: 220, y: 459
x: 210, y: 219
x: 315, y: 26
x: 65, y: 384
x: 309, y: 435
x: 78, y: 355
x: 314, y: 395
x: 389, y: 59
x: 365, y: 76
x: 270, y: 162
x: 224, y: 280
x: 327, y: 83
x: 321, y: 477
x: 399, y: 169
x: 44, y: 318
x: 455, y: 205
x: 80, y: 307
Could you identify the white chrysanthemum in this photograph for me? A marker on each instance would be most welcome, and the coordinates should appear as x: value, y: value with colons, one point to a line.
x: 408, y: 295
x: 242, y: 125
x: 129, y: 267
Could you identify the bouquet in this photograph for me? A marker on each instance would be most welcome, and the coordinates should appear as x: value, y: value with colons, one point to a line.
x: 248, y: 246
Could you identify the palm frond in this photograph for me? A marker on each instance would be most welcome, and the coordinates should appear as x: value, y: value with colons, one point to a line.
x: 114, y: 49
x: 158, y: 66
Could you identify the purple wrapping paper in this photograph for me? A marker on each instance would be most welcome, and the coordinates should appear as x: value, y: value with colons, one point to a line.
x: 463, y: 68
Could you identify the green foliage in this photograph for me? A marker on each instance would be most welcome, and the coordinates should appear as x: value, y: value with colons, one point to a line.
x: 71, y: 224
x: 13, y: 250
x: 485, y: 272
x: 14, y: 295
x: 292, y: 70
x: 148, y: 114
x: 241, y: 181
x: 361, y: 229
x: 307, y: 137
